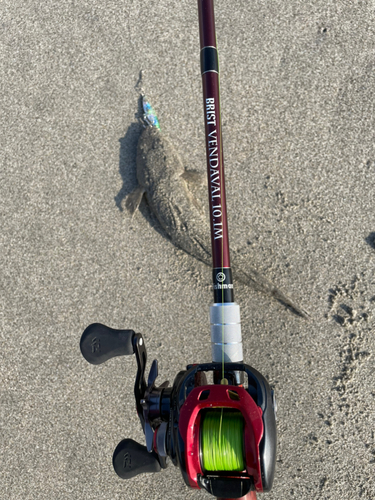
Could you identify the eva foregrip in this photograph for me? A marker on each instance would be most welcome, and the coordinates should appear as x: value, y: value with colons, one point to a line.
x: 226, y: 333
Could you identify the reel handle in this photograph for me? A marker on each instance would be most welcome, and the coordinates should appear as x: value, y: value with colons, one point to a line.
x: 99, y: 343
x: 131, y: 458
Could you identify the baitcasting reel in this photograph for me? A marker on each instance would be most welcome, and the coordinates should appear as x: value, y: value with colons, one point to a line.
x: 222, y: 436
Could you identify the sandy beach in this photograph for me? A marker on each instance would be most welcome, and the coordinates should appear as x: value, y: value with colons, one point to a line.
x: 297, y: 102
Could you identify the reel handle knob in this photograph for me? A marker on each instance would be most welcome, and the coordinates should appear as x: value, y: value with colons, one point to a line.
x: 131, y: 458
x: 100, y: 343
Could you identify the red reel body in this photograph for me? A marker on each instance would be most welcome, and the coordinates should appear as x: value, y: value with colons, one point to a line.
x: 221, y: 396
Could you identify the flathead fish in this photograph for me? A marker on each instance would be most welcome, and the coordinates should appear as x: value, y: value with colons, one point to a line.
x: 164, y: 181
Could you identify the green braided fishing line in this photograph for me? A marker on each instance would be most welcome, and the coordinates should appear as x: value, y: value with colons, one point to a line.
x: 222, y: 441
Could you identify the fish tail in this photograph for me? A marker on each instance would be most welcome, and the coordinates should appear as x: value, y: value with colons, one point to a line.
x: 258, y: 282
x: 284, y: 299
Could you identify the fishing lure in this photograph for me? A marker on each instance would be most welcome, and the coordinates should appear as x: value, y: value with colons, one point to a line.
x: 149, y: 115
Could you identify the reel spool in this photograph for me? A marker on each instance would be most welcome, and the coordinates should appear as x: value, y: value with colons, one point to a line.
x: 222, y: 441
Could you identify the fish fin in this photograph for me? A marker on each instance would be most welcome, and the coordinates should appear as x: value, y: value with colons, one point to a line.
x: 195, y: 177
x: 196, y: 203
x: 195, y: 182
x: 133, y: 200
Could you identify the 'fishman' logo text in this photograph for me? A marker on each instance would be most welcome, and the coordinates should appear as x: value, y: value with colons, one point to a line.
x: 223, y: 286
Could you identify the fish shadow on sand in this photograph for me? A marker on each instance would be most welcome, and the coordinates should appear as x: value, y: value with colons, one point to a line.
x: 128, y: 158
x: 370, y: 240
x: 127, y: 162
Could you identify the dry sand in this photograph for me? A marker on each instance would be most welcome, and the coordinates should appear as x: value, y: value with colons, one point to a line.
x: 297, y: 83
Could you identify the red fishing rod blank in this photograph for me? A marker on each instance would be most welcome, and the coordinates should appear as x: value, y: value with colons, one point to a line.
x: 222, y: 276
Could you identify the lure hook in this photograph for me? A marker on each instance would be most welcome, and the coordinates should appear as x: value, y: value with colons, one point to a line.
x: 148, y: 117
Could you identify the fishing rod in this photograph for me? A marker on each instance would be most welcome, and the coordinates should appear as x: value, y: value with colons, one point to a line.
x: 221, y: 435
x: 226, y: 346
